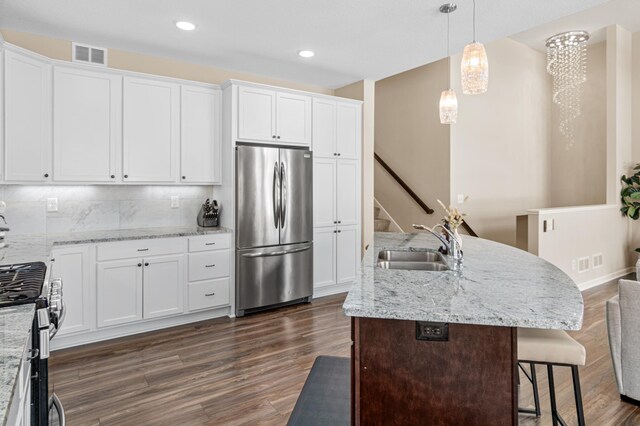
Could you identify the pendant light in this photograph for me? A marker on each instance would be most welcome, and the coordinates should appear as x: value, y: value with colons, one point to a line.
x: 474, y: 68
x: 448, y: 99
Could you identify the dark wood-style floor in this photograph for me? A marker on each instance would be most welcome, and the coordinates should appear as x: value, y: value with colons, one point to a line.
x: 251, y: 370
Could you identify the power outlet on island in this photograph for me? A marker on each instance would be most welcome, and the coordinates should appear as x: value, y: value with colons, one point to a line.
x: 52, y: 204
x: 432, y: 331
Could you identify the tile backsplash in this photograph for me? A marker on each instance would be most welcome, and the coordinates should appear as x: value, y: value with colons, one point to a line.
x: 94, y: 208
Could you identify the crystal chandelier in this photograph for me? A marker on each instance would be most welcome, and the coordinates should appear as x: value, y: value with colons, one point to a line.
x: 448, y: 100
x: 567, y: 63
x: 474, y: 68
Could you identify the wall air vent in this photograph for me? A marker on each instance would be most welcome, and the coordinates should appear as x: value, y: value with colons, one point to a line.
x: 583, y: 264
x: 89, y: 54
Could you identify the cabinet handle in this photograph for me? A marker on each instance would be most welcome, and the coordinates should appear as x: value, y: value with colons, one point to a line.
x: 339, y: 231
x: 139, y: 265
x: 210, y: 266
x: 126, y: 176
x: 335, y: 154
x: 274, y: 136
x: 33, y: 354
x: 278, y: 137
x: 335, y: 231
x: 339, y: 154
x: 335, y: 221
x: 113, y: 176
x: 146, y: 263
x: 46, y: 175
x: 209, y: 294
x: 144, y: 249
x: 209, y: 244
x: 184, y: 177
x: 339, y: 221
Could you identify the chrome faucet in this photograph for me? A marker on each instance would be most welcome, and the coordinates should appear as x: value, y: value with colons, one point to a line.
x: 452, y: 246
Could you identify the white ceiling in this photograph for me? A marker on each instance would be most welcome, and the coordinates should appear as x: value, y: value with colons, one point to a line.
x: 625, y: 13
x: 352, y: 39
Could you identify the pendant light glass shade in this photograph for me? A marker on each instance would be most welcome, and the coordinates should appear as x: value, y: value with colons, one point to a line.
x: 474, y: 69
x: 448, y: 107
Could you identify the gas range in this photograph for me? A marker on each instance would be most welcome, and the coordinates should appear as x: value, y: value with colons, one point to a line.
x: 25, y: 283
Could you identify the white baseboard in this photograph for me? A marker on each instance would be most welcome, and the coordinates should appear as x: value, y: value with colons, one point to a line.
x: 330, y: 290
x: 83, y: 338
x: 605, y: 278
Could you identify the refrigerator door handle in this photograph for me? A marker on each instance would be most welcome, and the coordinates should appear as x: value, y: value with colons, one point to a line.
x: 276, y: 195
x: 283, y: 194
x: 277, y: 253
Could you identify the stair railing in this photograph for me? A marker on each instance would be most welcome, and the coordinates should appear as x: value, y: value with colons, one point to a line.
x: 413, y: 195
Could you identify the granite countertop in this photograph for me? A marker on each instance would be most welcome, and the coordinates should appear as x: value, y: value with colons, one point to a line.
x: 37, y: 247
x: 498, y: 285
x: 15, y: 323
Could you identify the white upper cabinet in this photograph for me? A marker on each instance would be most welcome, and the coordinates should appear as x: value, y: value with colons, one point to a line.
x: 200, y: 135
x: 293, y: 119
x: 150, y: 131
x: 27, y: 107
x: 273, y: 117
x: 324, y: 192
x: 324, y: 128
x: 347, y: 192
x: 348, y: 130
x: 87, y: 119
x: 256, y: 114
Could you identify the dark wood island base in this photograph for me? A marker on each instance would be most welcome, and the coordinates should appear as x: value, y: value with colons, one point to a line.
x: 468, y: 379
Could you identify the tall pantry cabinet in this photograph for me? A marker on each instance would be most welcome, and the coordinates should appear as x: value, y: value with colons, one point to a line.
x: 336, y: 193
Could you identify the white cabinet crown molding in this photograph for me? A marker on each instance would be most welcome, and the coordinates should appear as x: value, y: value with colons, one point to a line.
x: 242, y: 83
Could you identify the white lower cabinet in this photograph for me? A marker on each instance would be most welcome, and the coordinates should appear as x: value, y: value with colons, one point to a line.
x: 72, y: 265
x: 163, y: 286
x: 208, y: 294
x: 324, y: 257
x: 119, y: 294
x: 125, y: 287
x: 336, y: 255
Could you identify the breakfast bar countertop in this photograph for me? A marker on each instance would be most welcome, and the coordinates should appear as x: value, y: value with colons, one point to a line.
x: 497, y: 285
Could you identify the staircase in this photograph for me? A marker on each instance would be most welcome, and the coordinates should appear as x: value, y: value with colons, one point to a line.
x: 380, y: 225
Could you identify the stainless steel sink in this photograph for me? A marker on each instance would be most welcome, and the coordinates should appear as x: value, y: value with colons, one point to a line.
x: 414, y: 266
x: 427, y: 260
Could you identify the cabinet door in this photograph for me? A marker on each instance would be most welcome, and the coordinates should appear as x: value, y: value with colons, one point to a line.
x: 119, y: 292
x: 348, y: 130
x: 324, y: 128
x: 348, y: 254
x: 256, y: 114
x: 324, y: 257
x: 324, y: 192
x: 293, y: 119
x: 151, y: 131
x: 87, y: 119
x: 200, y: 135
x: 72, y: 266
x: 164, y: 286
x: 27, y: 108
x: 347, y: 184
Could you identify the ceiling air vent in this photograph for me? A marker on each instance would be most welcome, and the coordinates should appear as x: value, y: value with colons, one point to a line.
x: 89, y: 54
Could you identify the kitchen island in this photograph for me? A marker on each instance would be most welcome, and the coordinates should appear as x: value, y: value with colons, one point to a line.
x: 440, y: 347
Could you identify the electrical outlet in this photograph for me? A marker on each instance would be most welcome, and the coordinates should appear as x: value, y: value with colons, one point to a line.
x: 175, y: 202
x: 3, y: 207
x: 461, y: 198
x: 574, y: 265
x: 52, y: 204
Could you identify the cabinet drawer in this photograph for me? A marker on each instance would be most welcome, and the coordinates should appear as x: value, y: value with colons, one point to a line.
x: 208, y: 265
x: 209, y: 242
x: 208, y: 294
x: 140, y: 248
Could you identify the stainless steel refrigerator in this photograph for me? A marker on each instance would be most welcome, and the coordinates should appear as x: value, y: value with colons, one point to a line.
x: 274, y: 227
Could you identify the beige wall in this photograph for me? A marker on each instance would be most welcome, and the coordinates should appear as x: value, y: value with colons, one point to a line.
x: 119, y: 59
x: 578, y: 175
x: 410, y: 138
x: 500, y: 145
x: 364, y: 90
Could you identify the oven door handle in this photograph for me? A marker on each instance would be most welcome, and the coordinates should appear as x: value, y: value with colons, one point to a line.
x: 54, y: 401
x: 63, y: 314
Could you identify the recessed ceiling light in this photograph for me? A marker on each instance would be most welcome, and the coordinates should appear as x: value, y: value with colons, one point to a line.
x: 186, y: 26
x: 306, y: 53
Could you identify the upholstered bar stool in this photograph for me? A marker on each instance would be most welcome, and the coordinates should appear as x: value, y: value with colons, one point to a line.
x: 551, y: 348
